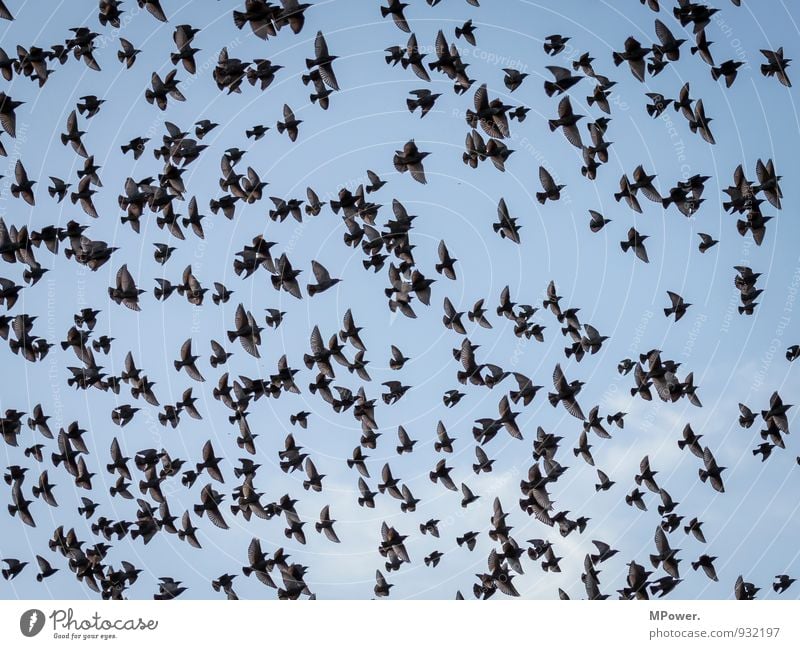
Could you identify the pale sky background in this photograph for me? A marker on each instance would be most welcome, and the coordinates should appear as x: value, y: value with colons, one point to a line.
x: 752, y: 528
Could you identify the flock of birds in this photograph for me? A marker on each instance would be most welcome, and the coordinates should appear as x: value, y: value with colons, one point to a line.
x: 387, y: 247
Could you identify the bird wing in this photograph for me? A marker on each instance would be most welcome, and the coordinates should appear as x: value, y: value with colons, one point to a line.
x: 320, y: 46
x: 546, y: 179
x: 320, y: 272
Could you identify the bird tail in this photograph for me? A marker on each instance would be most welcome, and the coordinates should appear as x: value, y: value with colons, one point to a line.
x: 550, y: 88
x: 617, y: 58
x: 541, y: 197
x: 715, y: 73
x: 742, y: 227
x: 703, y: 474
x: 412, y: 104
x: 239, y: 19
x: 651, y: 109
x: 553, y: 399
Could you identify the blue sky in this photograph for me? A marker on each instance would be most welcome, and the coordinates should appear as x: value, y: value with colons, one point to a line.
x: 752, y: 528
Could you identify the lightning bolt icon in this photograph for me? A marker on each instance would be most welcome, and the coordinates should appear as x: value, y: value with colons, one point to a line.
x: 32, y: 620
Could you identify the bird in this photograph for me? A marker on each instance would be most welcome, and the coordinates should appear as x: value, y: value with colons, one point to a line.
x: 290, y: 123
x: 127, y: 53
x: 669, y: 46
x: 635, y: 55
x: 406, y: 444
x: 395, y: 10
x: 712, y: 471
x: 565, y: 393
x: 776, y: 66
x: 154, y: 7
x: 382, y: 587
x: 706, y: 241
x: 744, y: 590
x: 513, y: 78
x: 23, y: 187
x: 45, y: 569
x: 678, y: 308
x: 324, y: 280
x: 247, y: 331
x: 323, y: 59
x: 125, y: 292
x: 699, y: 123
x: 8, y: 119
x: 467, y: 496
x: 555, y: 44
x: 552, y: 191
x: 506, y: 225
x: 410, y: 158
x: 13, y: 569
x: 635, y: 242
x: 187, y: 362
x: 325, y: 525
x: 563, y: 80
x: 467, y: 32
x: 597, y: 221
x: 568, y: 122
x: 604, y: 483
x: 782, y: 583
x: 728, y: 69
